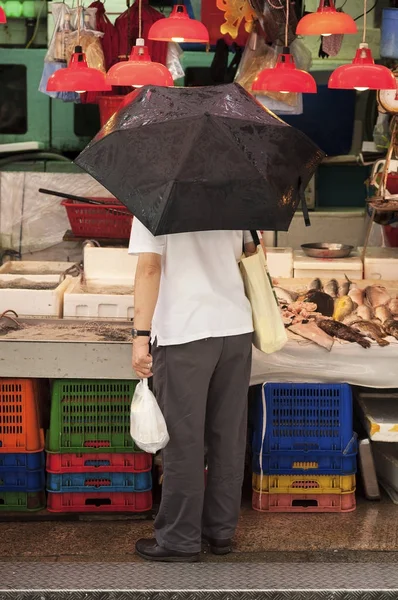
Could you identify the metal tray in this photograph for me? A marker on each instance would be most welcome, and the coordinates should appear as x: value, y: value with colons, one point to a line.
x: 321, y: 250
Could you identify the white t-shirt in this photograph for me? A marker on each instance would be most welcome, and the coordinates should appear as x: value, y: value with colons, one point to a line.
x: 201, y: 291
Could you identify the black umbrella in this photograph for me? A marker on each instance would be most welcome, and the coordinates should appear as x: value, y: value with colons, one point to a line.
x: 200, y: 159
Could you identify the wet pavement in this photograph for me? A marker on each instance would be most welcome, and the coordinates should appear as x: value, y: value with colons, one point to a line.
x: 370, y: 534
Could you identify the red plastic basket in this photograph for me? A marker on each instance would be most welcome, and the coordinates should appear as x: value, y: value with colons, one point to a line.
x: 303, y: 502
x: 108, y: 106
x: 100, y: 502
x: 99, y: 463
x: 94, y: 220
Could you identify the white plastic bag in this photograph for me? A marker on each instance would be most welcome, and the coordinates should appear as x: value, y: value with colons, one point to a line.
x: 147, y: 425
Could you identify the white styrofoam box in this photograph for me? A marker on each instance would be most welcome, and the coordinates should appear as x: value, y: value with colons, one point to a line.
x: 280, y: 262
x: 33, y: 303
x: 379, y: 414
x: 35, y: 267
x: 386, y: 461
x: 115, y: 265
x: 305, y: 266
x: 113, y: 271
x: 79, y: 302
x: 381, y: 263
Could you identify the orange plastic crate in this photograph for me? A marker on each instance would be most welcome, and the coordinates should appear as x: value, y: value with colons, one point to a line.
x: 303, y: 502
x: 19, y: 417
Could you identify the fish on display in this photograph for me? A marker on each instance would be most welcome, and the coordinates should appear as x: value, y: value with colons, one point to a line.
x: 371, y: 330
x: 391, y: 328
x: 332, y: 288
x: 376, y: 295
x: 364, y: 312
x: 393, y: 306
x: 342, y: 332
x: 345, y: 287
x: 285, y: 296
x: 352, y: 318
x: 324, y: 302
x: 311, y: 331
x: 383, y: 314
x: 343, y: 307
x: 356, y: 294
x: 315, y: 285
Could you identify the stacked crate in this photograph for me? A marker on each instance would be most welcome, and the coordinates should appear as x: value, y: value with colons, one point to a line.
x: 92, y: 462
x: 22, y: 474
x: 304, y: 448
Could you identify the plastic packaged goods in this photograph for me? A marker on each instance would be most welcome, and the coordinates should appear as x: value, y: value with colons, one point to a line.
x: 147, y: 425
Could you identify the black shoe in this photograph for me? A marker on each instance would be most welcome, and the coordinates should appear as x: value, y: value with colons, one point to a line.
x: 149, y: 549
x: 219, y: 547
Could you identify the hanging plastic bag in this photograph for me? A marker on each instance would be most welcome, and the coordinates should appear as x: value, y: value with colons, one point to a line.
x: 173, y: 62
x: 269, y: 331
x: 147, y: 425
x: 258, y: 55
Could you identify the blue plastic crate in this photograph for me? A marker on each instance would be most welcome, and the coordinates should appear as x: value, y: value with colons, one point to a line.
x: 304, y: 417
x: 21, y: 480
x: 31, y: 462
x: 99, y: 482
x: 307, y: 463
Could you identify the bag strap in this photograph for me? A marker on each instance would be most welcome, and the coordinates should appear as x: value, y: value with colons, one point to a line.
x: 304, y: 206
x: 255, y: 237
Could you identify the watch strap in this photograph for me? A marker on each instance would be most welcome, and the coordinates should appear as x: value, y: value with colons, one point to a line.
x: 140, y: 333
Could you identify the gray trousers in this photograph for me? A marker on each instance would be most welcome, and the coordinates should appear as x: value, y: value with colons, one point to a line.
x: 202, y: 390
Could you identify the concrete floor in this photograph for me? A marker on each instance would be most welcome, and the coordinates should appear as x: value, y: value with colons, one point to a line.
x: 370, y: 534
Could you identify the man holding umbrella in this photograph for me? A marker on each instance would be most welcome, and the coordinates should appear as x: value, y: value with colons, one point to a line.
x: 196, y: 166
x: 189, y: 298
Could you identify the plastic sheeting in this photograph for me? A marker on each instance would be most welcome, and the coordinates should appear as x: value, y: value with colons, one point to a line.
x: 304, y: 362
x: 29, y: 221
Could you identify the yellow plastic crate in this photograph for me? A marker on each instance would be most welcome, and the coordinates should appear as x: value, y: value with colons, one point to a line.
x: 309, y: 484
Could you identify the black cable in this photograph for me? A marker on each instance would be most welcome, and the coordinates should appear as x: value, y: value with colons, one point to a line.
x: 368, y: 11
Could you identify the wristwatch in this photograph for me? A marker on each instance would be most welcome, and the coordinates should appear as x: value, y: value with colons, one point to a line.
x: 137, y: 333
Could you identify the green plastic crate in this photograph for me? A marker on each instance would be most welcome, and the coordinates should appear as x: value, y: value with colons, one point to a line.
x: 91, y: 416
x: 22, y: 501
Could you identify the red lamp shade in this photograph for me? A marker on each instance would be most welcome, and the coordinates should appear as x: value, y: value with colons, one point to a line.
x: 326, y: 21
x: 139, y: 70
x: 362, y: 74
x: 78, y: 77
x: 178, y: 27
x: 285, y: 77
x: 3, y: 18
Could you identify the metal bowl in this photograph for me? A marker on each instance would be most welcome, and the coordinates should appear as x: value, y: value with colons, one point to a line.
x: 327, y: 250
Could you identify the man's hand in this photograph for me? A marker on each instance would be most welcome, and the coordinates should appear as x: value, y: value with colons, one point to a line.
x: 142, y: 360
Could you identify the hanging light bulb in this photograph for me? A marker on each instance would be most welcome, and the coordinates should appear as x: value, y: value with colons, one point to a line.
x: 179, y: 27
x: 3, y: 18
x: 326, y: 21
x: 139, y: 70
x: 285, y: 77
x: 362, y: 74
x: 78, y: 77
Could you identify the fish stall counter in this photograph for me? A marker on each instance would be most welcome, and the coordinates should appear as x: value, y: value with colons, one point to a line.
x: 338, y: 331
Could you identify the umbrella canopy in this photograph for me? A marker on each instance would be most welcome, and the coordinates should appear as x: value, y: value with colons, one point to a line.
x: 200, y: 159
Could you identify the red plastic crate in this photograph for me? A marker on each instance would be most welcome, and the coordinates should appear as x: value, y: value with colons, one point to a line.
x: 303, y: 502
x: 100, y: 502
x: 109, y: 220
x: 99, y: 463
